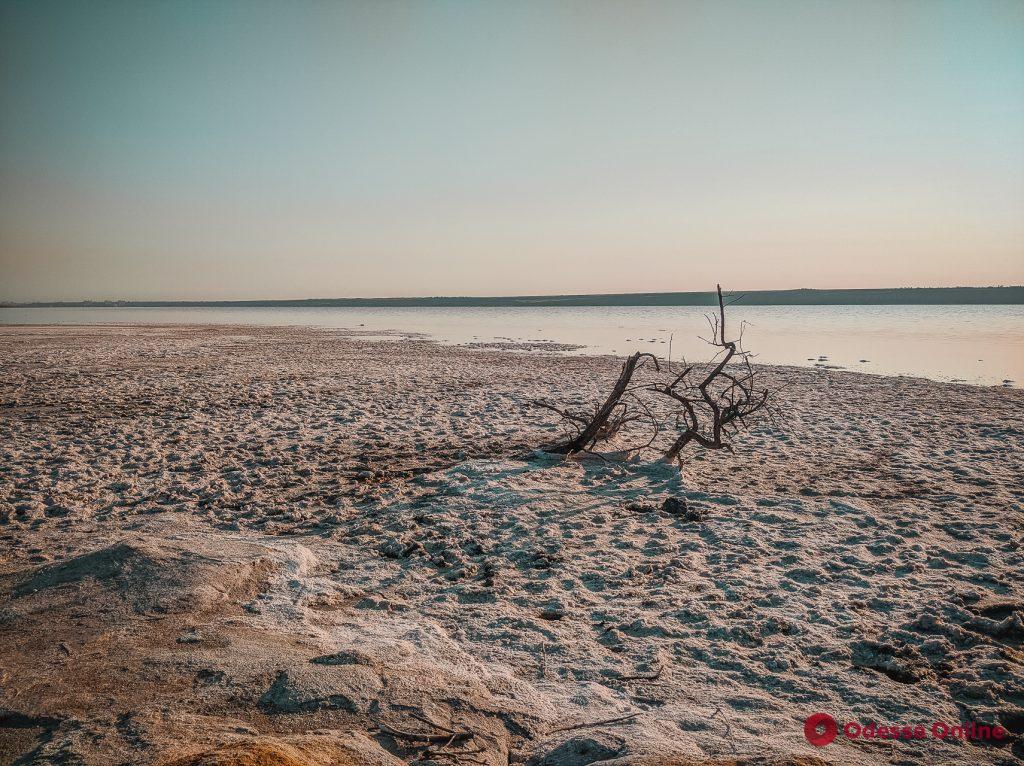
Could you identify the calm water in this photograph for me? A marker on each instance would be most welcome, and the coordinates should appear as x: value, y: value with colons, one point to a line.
x: 976, y: 344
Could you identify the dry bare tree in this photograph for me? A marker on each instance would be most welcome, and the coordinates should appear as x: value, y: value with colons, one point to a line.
x: 708, y: 404
x: 609, y: 418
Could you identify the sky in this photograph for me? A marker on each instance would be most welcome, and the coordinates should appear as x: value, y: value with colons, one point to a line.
x: 223, y: 149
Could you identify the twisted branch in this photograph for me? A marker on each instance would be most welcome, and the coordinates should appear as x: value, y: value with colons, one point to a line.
x: 708, y: 410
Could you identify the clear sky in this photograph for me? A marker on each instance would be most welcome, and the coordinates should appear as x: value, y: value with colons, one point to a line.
x: 222, y: 149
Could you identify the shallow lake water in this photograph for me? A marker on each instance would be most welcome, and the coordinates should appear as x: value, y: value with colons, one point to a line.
x: 974, y: 344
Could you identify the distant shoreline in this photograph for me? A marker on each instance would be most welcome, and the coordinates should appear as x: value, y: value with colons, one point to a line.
x: 902, y: 296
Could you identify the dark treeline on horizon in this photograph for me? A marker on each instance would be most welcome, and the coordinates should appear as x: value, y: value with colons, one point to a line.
x: 802, y: 297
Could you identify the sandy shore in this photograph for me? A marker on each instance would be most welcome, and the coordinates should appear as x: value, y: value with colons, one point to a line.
x: 316, y: 548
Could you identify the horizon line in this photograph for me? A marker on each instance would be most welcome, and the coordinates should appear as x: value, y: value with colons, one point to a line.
x: 1009, y: 294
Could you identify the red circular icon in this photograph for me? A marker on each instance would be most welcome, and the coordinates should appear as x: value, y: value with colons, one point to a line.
x: 822, y: 721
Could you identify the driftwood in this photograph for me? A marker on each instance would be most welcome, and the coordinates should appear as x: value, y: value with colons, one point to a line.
x: 705, y: 408
x: 610, y: 416
x: 710, y: 409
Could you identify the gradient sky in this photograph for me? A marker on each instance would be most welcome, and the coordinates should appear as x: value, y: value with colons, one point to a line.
x: 219, y: 149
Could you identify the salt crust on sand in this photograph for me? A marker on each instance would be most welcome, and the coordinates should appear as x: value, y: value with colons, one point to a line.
x: 289, y: 544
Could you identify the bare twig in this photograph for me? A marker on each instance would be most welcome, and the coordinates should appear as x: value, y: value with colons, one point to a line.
x: 447, y: 736
x: 427, y: 721
x: 589, y: 724
x: 644, y: 676
x: 598, y: 426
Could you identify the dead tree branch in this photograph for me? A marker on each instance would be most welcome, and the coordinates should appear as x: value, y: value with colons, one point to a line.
x: 719, y: 400
x: 706, y: 408
x: 610, y: 416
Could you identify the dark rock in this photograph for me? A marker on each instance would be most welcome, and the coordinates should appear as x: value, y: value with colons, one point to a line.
x: 696, y: 513
x: 344, y: 657
x: 392, y: 549
x: 677, y: 506
x: 582, y: 751
x: 553, y: 610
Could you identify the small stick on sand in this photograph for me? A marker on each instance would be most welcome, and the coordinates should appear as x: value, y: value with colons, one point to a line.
x: 644, y: 676
x: 588, y: 724
x: 728, y: 727
x: 446, y: 737
x: 427, y: 721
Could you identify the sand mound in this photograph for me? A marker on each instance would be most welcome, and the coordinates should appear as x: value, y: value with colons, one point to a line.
x: 412, y: 681
x: 151, y: 577
x: 350, y: 749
